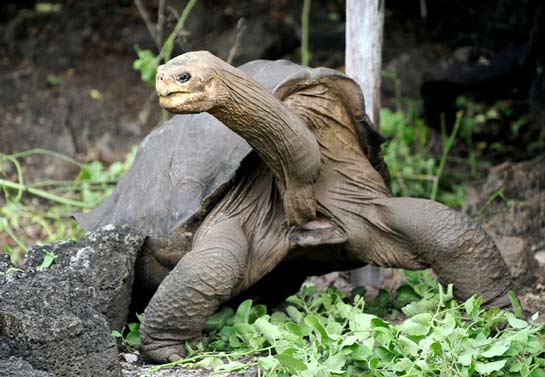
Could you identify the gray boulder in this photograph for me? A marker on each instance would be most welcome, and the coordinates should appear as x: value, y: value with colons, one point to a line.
x: 59, y: 319
x: 16, y: 367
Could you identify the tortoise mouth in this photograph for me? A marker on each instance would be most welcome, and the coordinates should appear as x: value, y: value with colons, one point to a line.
x: 175, y: 94
x: 173, y: 100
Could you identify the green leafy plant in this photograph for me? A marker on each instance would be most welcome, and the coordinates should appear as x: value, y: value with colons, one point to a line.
x: 325, y: 334
x: 131, y: 339
x: 305, y: 52
x: 147, y: 62
x: 49, y: 258
x: 46, y: 207
x: 415, y: 170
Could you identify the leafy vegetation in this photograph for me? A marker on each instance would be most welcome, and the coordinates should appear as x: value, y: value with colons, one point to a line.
x: 131, y: 339
x: 325, y: 334
x: 147, y: 62
x: 45, y: 208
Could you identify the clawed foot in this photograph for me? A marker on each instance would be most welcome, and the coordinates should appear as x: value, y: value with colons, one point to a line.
x: 166, y: 351
x: 164, y: 354
x: 321, y: 231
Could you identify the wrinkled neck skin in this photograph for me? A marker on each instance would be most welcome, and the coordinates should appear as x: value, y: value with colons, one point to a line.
x: 279, y: 137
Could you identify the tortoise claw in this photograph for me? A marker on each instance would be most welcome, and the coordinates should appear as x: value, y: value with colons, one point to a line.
x: 164, y: 354
x: 174, y: 357
x: 161, y: 351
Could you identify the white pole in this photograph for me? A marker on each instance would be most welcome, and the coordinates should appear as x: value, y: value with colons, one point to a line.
x: 363, y: 55
x: 363, y: 58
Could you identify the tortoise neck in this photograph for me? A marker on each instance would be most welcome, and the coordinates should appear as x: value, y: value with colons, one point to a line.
x: 258, y: 117
x: 251, y: 111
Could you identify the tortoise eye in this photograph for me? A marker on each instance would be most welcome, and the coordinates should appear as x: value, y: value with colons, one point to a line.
x: 184, y: 77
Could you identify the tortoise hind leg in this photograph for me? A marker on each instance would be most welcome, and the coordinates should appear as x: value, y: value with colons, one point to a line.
x: 203, y: 279
x: 411, y: 233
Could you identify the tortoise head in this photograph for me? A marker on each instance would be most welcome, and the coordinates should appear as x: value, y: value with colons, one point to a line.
x: 190, y: 83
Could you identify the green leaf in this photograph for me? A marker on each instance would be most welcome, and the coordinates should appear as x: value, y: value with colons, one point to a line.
x: 146, y: 64
x: 268, y: 362
x: 218, y: 320
x: 516, y: 323
x: 362, y: 353
x: 445, y: 297
x: 335, y: 363
x: 234, y: 341
x: 497, y: 349
x: 487, y: 368
x: 379, y: 305
x: 422, y: 306
x: 516, y: 304
x: 133, y: 339
x: 245, y: 330
x: 420, y: 324
x: 294, y: 328
x: 361, y: 322
x: 405, y: 295
x: 314, y: 323
x: 309, y: 289
x: 538, y: 372
x: 294, y: 314
x: 269, y: 331
x: 230, y: 366
x: 410, y: 346
x: 466, y: 358
x: 116, y: 334
x: 49, y: 258
x: 243, y: 312
x: 473, y: 306
x: 291, y: 363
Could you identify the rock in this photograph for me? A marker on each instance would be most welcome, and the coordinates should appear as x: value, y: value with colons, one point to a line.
x: 60, y: 319
x: 518, y: 254
x: 510, y: 205
x: 16, y: 367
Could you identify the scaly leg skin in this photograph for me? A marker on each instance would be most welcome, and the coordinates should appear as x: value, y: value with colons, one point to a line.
x: 453, y: 245
x: 202, y: 280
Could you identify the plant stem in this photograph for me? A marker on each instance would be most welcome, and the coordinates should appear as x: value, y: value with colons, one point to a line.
x: 499, y: 192
x: 166, y: 51
x: 44, y: 194
x: 19, y: 170
x: 11, y: 234
x: 46, y: 152
x: 202, y: 356
x: 447, y: 146
x: 305, y: 54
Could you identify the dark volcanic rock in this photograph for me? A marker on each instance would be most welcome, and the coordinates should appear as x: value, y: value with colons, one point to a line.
x: 15, y: 367
x: 60, y: 319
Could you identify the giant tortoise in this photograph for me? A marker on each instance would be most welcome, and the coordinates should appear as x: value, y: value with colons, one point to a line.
x: 308, y: 197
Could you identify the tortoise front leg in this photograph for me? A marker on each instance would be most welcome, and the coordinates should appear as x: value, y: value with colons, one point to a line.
x: 412, y: 233
x: 203, y: 279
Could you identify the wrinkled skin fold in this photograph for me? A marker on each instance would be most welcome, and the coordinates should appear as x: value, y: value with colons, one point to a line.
x: 246, y: 236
